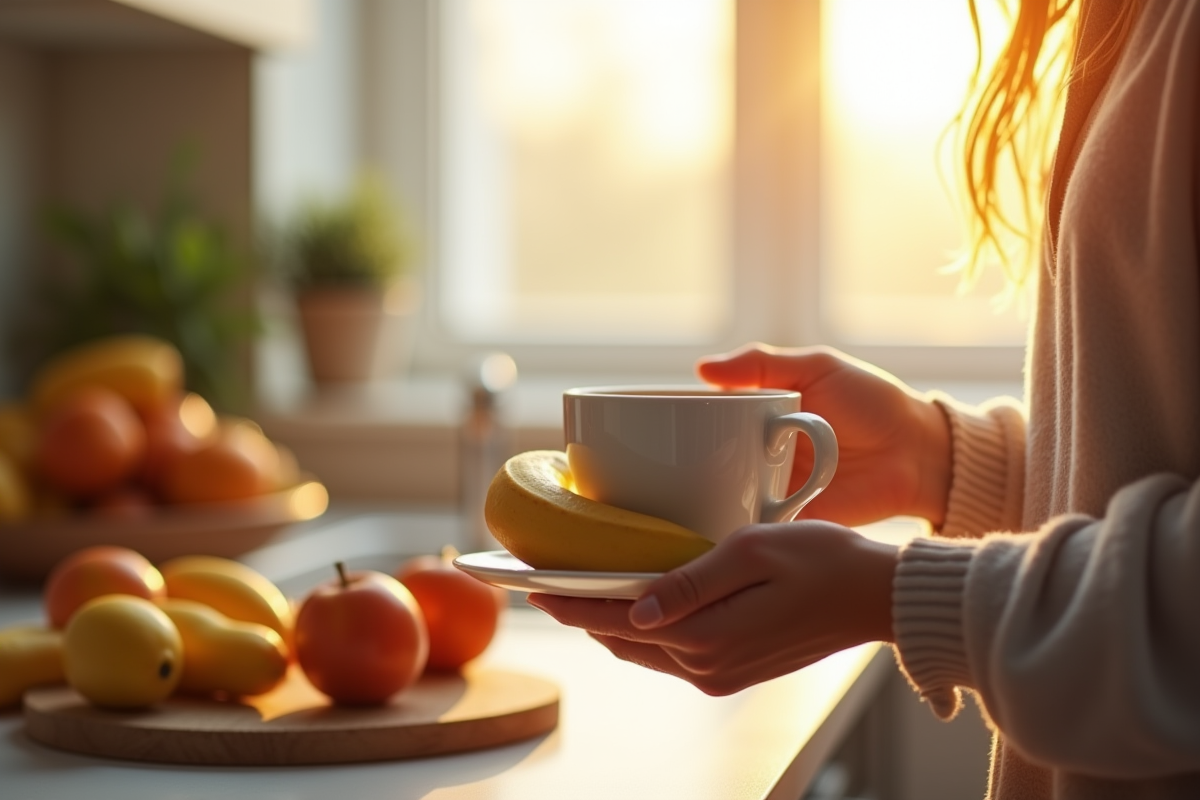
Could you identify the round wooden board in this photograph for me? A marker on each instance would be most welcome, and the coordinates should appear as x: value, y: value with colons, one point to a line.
x: 295, y: 724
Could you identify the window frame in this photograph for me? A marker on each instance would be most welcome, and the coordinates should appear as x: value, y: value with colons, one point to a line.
x: 774, y: 199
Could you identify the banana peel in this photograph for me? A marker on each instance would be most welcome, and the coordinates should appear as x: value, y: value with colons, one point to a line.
x: 534, y: 512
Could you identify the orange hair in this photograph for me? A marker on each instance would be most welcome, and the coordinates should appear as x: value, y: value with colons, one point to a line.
x: 1009, y: 124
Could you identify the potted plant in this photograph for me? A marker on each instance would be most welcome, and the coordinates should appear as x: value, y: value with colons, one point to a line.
x: 351, y: 264
x: 169, y: 272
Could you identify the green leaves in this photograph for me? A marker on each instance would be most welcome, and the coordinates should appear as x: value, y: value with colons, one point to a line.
x: 170, y: 273
x: 357, y: 241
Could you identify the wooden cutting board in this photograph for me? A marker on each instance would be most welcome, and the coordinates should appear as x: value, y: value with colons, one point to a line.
x: 295, y: 724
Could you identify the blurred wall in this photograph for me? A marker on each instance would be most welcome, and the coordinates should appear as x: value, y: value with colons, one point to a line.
x: 20, y: 117
x: 87, y: 124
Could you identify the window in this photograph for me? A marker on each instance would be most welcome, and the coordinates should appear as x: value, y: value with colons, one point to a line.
x: 894, y: 74
x: 585, y: 168
x: 623, y: 185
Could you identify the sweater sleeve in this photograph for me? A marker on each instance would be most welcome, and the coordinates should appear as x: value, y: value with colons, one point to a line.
x: 988, y: 480
x: 986, y: 489
x: 1081, y: 639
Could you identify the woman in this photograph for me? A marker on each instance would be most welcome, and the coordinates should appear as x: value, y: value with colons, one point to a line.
x: 1062, y: 585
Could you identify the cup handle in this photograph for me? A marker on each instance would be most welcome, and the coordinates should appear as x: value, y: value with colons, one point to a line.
x: 825, y: 459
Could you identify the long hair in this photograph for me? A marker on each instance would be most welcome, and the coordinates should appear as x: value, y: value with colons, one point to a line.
x: 1007, y: 130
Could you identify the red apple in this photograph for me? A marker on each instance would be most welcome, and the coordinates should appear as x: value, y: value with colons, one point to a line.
x: 96, y: 571
x: 361, y: 638
x: 461, y: 612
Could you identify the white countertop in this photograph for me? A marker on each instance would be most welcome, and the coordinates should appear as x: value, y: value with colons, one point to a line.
x: 624, y: 731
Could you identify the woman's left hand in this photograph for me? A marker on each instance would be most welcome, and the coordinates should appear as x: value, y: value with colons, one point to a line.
x: 766, y: 601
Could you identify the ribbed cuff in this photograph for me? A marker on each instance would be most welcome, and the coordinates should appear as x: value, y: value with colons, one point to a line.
x: 987, y: 484
x: 927, y: 620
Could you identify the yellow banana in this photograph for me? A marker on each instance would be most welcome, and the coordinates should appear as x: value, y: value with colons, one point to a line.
x: 232, y: 588
x: 532, y: 510
x: 29, y: 656
x: 144, y: 370
x: 224, y: 655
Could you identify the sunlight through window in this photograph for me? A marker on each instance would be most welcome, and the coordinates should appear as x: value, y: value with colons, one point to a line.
x: 894, y: 76
x: 586, y: 154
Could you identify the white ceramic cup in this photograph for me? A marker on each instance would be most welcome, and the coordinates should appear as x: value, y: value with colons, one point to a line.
x: 708, y: 459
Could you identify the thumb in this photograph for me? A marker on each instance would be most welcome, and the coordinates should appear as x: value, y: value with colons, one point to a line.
x: 685, y: 590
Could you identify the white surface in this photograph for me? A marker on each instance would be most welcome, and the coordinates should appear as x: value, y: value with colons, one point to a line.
x: 500, y: 568
x: 624, y: 731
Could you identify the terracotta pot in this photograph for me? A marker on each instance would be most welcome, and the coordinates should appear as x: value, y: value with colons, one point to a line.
x: 356, y: 334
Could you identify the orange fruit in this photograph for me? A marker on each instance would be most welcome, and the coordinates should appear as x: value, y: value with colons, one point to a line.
x: 90, y: 443
x: 417, y: 564
x: 175, y: 427
x: 96, y: 571
x: 237, y: 464
x: 461, y: 612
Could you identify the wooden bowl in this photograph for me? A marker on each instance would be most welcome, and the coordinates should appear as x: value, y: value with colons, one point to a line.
x: 30, y: 549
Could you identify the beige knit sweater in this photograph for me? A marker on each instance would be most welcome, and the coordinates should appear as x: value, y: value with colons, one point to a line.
x: 1081, y: 636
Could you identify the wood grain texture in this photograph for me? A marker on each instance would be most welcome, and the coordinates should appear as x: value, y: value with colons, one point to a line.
x: 295, y: 724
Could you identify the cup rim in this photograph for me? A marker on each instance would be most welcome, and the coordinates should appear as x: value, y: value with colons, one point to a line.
x: 677, y: 392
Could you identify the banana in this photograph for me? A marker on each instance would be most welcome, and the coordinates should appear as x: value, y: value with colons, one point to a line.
x: 232, y: 588
x: 224, y: 655
x: 144, y: 370
x: 29, y: 656
x: 532, y: 510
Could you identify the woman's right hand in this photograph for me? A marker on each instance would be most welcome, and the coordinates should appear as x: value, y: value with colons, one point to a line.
x: 893, y: 444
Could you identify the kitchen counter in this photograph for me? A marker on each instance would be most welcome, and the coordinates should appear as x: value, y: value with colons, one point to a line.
x: 624, y: 731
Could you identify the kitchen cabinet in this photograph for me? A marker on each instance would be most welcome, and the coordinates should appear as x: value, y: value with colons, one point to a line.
x: 253, y: 24
x: 97, y: 95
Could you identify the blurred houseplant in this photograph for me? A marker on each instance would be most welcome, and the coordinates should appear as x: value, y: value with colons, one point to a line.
x: 350, y: 262
x: 170, y: 273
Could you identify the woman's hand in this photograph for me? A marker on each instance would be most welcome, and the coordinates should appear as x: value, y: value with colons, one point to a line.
x: 766, y: 601
x: 893, y: 444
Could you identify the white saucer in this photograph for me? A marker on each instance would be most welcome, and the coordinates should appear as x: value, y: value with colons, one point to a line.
x: 500, y: 568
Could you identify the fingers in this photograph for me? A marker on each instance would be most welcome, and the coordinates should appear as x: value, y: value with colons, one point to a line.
x: 661, y: 659
x: 645, y: 654
x: 744, y: 367
x: 607, y: 617
x: 683, y: 591
x: 758, y: 365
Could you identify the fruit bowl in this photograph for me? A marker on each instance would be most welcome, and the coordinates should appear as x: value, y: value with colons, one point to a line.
x: 30, y: 549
